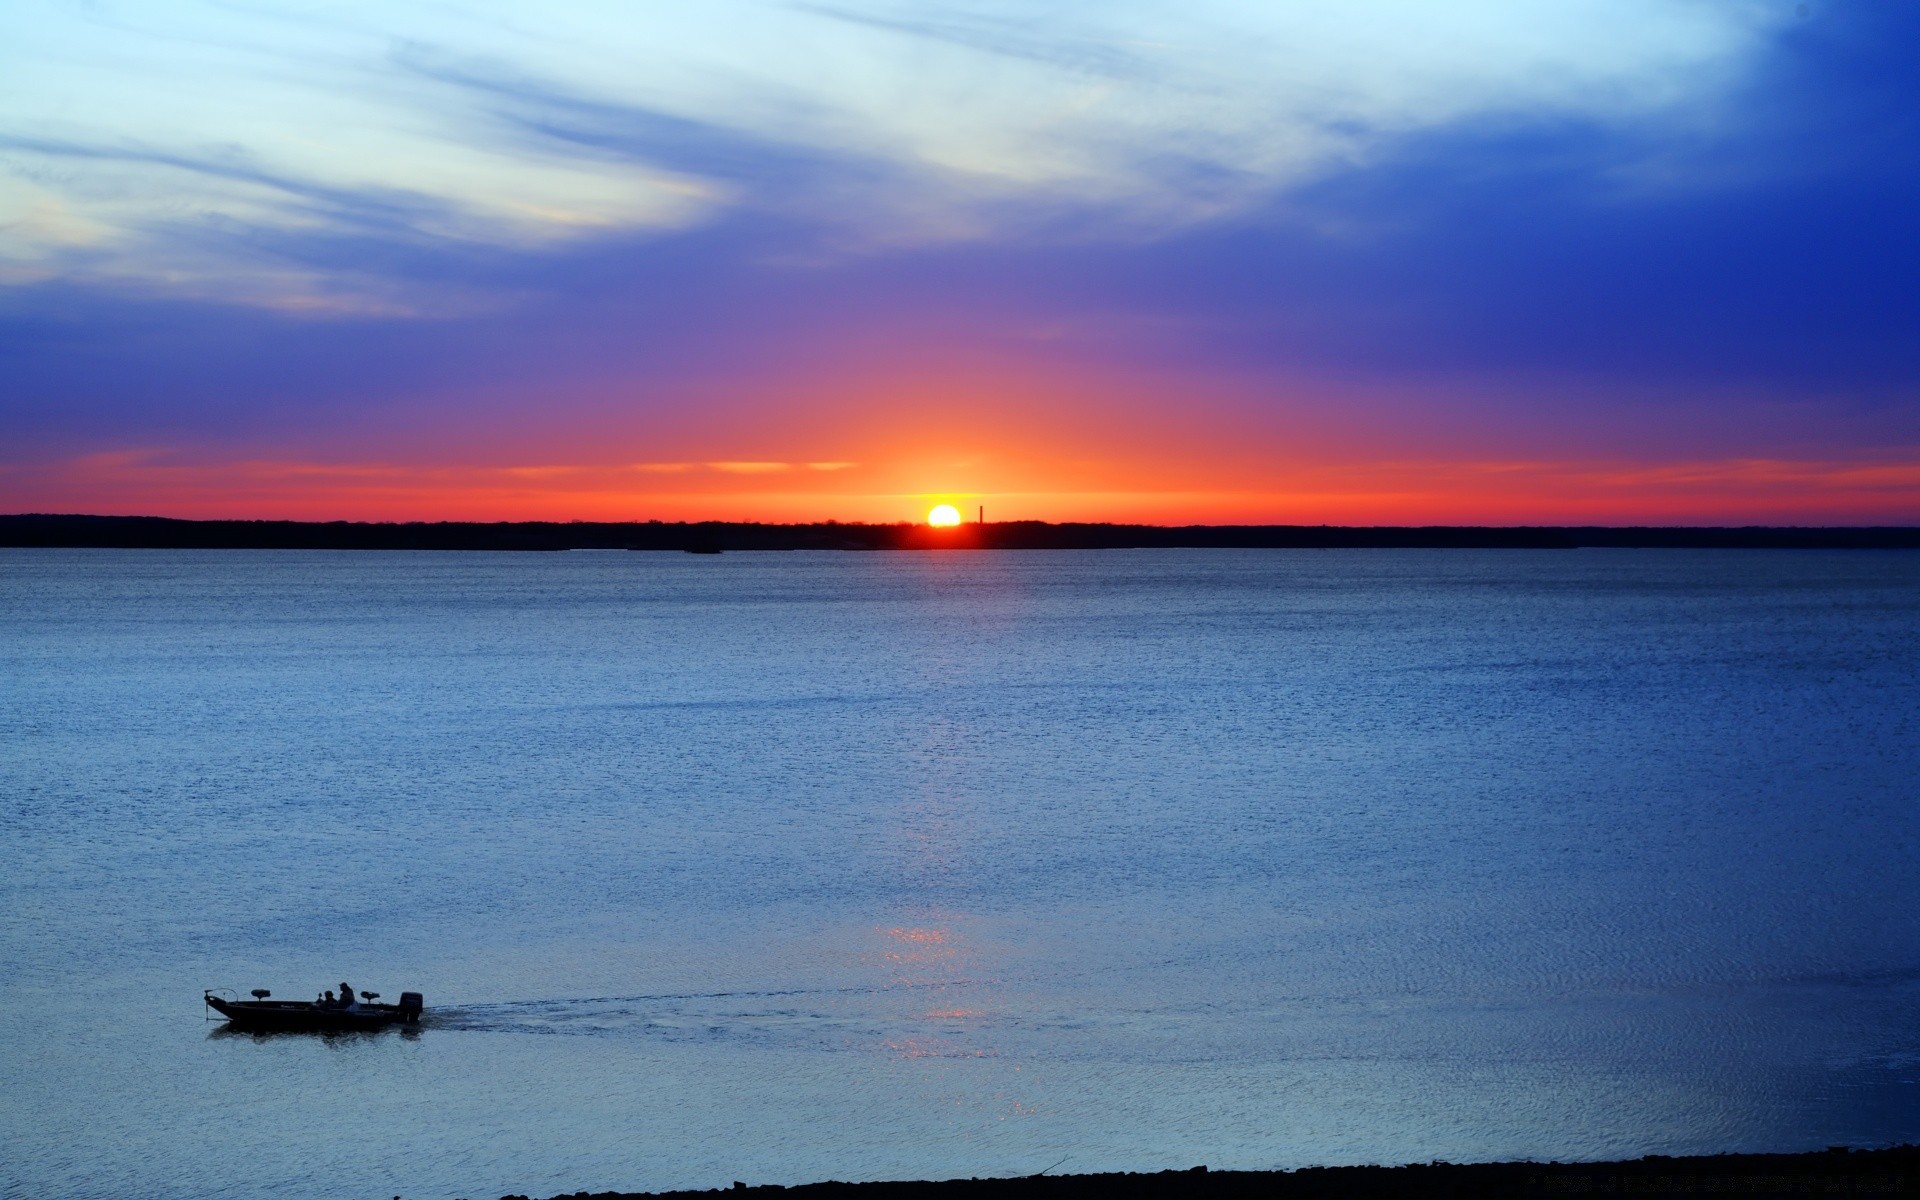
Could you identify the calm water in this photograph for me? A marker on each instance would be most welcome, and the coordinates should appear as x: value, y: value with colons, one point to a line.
x: 784, y: 867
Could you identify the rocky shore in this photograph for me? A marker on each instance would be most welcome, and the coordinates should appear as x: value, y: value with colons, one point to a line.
x: 1894, y: 1171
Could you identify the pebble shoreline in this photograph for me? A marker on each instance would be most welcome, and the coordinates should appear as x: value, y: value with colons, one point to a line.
x: 1839, y: 1171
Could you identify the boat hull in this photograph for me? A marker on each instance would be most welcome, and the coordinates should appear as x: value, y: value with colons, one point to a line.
x: 305, y: 1015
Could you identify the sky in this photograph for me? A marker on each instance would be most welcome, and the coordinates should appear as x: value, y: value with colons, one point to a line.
x: 1221, y: 261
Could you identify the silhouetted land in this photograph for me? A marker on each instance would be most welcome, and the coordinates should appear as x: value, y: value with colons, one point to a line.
x: 1838, y: 1172
x: 710, y: 536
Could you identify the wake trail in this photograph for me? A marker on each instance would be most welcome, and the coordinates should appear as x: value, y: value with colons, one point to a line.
x: 677, y: 1012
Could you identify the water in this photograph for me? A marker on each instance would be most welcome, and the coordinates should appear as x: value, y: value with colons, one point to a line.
x: 784, y: 867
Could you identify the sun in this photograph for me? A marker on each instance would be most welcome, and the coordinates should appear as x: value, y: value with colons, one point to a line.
x: 944, y: 514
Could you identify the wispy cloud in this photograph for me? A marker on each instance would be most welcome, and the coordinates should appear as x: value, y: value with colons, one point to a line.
x: 770, y: 468
x: 1027, y: 37
x: 168, y: 481
x: 750, y: 468
x: 149, y: 146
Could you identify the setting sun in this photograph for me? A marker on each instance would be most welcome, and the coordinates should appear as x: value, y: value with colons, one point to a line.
x: 943, y: 514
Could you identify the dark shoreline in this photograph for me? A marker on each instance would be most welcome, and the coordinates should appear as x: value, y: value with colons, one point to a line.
x: 1835, y: 1172
x: 710, y: 537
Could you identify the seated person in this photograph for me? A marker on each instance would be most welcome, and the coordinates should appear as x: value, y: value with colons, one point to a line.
x: 328, y: 1002
x: 346, y: 995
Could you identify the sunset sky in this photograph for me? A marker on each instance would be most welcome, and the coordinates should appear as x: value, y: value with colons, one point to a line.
x: 1592, y: 261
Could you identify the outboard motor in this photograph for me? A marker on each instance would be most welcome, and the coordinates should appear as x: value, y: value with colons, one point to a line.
x: 410, y: 1005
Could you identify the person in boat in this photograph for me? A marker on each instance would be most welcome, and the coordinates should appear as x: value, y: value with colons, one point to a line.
x: 346, y: 995
x: 327, y: 1001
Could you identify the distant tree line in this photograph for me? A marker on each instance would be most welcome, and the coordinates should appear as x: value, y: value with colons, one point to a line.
x: 49, y: 530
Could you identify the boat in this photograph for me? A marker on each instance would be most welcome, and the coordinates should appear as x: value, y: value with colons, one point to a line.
x: 265, y: 1013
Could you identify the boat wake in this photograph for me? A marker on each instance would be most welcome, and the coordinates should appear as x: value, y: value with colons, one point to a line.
x: 813, y: 1018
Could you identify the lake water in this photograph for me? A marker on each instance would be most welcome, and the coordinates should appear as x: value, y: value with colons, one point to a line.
x: 784, y: 867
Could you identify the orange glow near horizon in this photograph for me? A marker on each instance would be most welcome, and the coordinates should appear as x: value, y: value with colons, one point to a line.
x: 873, y: 443
x: 1029, y: 487
x: 943, y: 516
x: 877, y: 447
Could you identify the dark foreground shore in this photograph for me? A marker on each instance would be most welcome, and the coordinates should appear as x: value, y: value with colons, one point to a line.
x: 1838, y: 1172
x: 714, y: 537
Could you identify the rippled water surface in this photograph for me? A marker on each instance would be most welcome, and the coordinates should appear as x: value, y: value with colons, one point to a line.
x: 781, y: 867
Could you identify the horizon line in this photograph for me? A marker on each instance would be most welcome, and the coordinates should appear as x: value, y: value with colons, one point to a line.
x: 833, y: 522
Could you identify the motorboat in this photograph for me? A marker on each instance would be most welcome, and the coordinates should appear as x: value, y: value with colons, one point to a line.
x: 265, y: 1013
